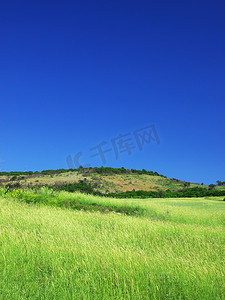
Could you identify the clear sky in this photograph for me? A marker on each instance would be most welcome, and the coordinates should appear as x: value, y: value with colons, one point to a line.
x: 78, y: 74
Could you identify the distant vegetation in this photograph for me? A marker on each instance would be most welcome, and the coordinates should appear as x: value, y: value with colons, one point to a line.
x: 96, y: 181
x: 81, y: 186
x: 220, y: 183
x: 108, y: 170
x: 91, y: 189
x: 184, y: 193
x: 45, y: 172
x: 101, y: 170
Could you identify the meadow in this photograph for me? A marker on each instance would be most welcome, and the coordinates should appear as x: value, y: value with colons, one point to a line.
x: 59, y: 245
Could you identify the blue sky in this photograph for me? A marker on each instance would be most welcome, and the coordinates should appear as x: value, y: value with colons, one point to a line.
x: 75, y: 74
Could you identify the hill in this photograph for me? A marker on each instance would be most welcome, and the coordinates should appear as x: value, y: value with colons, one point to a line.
x: 106, y: 181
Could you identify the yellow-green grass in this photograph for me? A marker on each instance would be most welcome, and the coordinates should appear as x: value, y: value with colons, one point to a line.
x: 143, y: 182
x: 65, y: 178
x: 175, y: 251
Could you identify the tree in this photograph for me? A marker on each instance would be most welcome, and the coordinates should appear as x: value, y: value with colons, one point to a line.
x: 211, y: 186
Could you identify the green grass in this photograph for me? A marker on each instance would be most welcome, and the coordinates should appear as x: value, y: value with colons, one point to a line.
x: 168, y: 249
x: 75, y: 201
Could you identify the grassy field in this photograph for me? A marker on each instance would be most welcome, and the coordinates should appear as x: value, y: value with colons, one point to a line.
x: 86, y: 247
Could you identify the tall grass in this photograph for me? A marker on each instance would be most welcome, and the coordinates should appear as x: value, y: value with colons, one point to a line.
x: 52, y: 253
x: 76, y: 201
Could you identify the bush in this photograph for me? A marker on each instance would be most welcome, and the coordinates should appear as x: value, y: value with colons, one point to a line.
x: 184, y: 193
x: 211, y: 186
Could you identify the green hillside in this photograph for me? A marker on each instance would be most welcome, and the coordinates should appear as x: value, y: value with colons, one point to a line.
x: 102, y: 180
